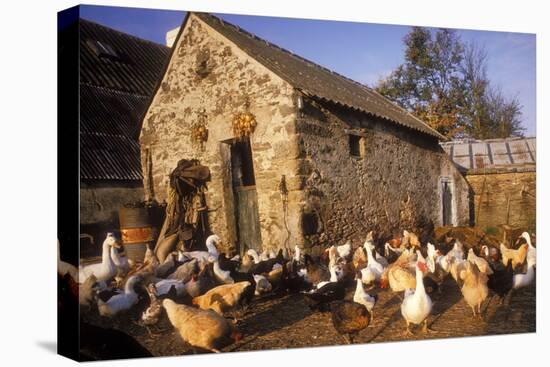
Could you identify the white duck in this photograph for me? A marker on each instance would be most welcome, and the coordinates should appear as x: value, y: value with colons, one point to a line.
x: 106, y: 269
x: 264, y: 256
x: 120, y: 302
x: 222, y: 276
x: 202, y: 256
x: 120, y: 261
x: 252, y: 253
x: 374, y: 270
x: 297, y: 254
x: 417, y: 305
x: 163, y: 287
x: 64, y: 267
x: 521, y: 280
x: 362, y: 297
x: 532, y: 251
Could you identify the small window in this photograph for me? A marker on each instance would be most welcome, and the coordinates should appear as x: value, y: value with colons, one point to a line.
x: 356, y: 146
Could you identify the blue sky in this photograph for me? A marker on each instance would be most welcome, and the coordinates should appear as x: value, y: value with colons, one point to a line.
x: 361, y: 51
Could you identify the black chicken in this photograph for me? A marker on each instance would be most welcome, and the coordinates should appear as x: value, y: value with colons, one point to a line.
x: 320, y: 298
x: 502, y: 279
x: 291, y: 281
x: 349, y: 318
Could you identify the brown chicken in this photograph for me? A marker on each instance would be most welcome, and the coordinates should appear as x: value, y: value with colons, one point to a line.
x: 226, y: 298
x: 349, y: 318
x: 516, y: 256
x: 201, y: 328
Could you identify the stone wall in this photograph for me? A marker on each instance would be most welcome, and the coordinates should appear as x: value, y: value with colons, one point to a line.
x: 504, y: 198
x: 99, y: 205
x: 207, y: 71
x: 395, y: 185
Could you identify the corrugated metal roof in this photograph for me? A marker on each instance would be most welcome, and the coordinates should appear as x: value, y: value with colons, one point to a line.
x: 114, y: 93
x: 316, y: 80
x: 479, y: 155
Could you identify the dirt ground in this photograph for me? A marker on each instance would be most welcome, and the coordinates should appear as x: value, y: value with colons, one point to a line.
x: 284, y: 321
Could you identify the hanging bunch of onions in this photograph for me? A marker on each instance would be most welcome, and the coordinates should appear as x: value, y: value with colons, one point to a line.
x: 199, y: 131
x: 244, y: 124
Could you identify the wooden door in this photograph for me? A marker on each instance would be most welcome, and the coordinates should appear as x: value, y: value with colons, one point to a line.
x: 246, y: 200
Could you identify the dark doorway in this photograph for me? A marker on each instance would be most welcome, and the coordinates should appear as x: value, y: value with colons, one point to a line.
x: 447, y: 202
x: 244, y: 193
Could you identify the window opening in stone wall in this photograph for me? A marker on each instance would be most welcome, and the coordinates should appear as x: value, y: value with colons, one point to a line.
x: 356, y: 146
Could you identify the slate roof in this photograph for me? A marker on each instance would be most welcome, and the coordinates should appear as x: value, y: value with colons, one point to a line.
x: 316, y: 80
x: 118, y: 75
x: 478, y: 156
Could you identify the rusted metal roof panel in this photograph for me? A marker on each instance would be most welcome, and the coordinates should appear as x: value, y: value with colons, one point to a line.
x: 316, y: 80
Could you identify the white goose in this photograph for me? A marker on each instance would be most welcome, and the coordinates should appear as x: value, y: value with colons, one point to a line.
x: 417, y: 305
x: 120, y: 302
x: 106, y: 269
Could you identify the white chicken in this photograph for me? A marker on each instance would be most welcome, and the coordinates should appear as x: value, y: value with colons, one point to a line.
x: 106, y: 269
x: 417, y: 305
x: 120, y: 302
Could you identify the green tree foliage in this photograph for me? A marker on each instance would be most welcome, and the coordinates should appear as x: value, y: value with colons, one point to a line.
x: 444, y: 82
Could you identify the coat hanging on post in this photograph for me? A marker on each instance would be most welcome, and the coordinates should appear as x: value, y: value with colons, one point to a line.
x: 185, y: 221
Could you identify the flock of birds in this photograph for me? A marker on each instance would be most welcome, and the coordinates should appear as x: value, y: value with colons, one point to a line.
x: 205, y: 293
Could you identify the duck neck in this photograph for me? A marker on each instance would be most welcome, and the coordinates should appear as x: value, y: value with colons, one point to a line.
x: 129, y: 288
x: 419, y: 282
x: 359, y: 288
x: 370, y: 257
x: 106, y: 255
x: 333, y: 276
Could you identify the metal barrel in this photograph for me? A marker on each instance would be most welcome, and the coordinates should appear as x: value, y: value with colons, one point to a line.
x: 136, y: 231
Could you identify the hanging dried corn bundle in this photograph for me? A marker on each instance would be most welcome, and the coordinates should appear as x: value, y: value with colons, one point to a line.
x: 199, y: 130
x: 244, y: 123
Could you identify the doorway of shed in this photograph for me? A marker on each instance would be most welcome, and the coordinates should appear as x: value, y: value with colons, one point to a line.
x: 448, y: 212
x: 245, y: 199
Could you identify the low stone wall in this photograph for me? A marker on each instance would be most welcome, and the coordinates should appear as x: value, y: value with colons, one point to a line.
x: 503, y: 197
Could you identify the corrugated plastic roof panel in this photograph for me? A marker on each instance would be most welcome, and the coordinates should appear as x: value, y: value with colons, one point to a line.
x: 493, y: 153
